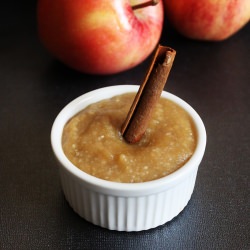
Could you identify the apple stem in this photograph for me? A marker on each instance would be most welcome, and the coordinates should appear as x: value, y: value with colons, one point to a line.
x: 146, y: 4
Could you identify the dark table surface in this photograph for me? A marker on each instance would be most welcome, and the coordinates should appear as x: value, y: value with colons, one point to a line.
x: 213, y: 77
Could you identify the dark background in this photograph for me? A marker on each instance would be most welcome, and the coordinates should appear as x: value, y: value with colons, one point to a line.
x: 214, y: 78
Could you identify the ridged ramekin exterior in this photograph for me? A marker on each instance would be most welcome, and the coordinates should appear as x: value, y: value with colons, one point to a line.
x: 127, y: 213
x: 124, y: 206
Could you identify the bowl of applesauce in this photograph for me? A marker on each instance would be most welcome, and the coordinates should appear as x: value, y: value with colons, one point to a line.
x: 122, y: 186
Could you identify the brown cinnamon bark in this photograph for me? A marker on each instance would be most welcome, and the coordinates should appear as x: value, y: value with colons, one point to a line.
x: 148, y: 95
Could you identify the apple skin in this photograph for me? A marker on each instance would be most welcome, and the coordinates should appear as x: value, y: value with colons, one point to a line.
x: 99, y: 37
x: 211, y: 20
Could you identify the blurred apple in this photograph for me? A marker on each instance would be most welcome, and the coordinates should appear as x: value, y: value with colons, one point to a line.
x: 212, y: 20
x: 99, y: 37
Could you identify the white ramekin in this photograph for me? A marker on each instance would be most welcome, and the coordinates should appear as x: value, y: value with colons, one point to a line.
x: 125, y: 206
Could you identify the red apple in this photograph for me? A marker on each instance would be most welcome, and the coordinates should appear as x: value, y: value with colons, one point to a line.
x: 212, y: 20
x: 99, y: 37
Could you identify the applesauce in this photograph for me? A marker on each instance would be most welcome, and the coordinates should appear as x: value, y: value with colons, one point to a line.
x: 92, y: 141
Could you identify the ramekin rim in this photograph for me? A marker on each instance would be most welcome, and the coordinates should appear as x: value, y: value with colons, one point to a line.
x: 59, y: 123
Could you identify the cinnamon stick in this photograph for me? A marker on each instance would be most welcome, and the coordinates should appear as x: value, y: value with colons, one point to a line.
x: 148, y: 95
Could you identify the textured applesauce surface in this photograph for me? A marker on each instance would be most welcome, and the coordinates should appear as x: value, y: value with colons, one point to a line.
x: 92, y: 141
